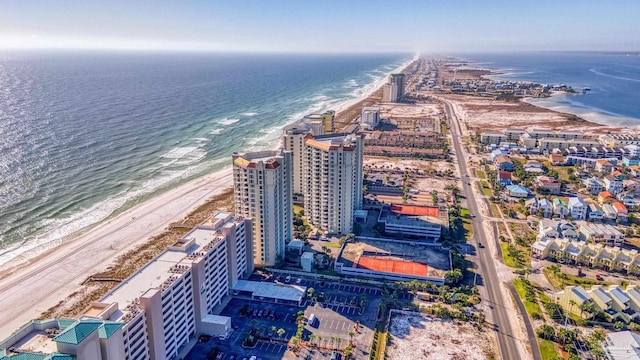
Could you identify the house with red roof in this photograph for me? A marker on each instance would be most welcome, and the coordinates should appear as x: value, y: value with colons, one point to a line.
x: 605, y: 197
x: 504, y: 177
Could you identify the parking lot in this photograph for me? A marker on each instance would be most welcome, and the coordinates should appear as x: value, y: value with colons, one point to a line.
x: 337, y: 312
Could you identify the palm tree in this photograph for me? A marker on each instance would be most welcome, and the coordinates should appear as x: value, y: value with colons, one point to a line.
x: 281, y: 332
x: 351, y: 335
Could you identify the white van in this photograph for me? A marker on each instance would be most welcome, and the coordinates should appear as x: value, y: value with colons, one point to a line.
x: 312, y: 320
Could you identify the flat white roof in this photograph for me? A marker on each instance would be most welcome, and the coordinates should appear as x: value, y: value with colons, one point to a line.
x: 272, y: 290
x: 216, y: 319
x: 151, y: 276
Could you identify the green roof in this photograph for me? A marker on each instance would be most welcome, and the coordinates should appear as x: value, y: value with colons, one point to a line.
x: 77, y: 332
x: 26, y: 356
x: 107, y: 329
x: 60, y: 357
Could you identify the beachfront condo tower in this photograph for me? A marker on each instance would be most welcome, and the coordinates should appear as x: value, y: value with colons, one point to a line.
x: 332, y: 174
x: 262, y: 192
x: 293, y: 137
x: 156, y: 311
x: 393, y: 91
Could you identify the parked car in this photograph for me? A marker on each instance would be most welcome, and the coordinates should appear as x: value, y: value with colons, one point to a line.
x: 287, y: 279
x: 299, y: 281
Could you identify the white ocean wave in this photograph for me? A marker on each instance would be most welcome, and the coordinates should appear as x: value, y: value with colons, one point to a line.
x: 249, y: 114
x: 227, y: 121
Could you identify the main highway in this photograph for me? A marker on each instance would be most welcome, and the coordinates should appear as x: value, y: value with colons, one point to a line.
x: 507, y: 340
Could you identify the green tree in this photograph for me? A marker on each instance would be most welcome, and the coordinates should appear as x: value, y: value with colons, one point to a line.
x: 280, y: 332
x: 546, y: 332
x: 453, y: 276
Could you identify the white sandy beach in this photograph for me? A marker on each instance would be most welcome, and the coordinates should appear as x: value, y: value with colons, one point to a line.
x: 34, y: 286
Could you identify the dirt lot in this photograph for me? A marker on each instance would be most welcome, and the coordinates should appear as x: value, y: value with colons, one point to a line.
x: 426, y: 337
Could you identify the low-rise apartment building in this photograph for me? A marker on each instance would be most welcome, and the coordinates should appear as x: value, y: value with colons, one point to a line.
x: 620, y: 304
x: 604, y: 233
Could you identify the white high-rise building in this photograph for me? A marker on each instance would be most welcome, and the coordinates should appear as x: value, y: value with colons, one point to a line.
x: 333, y: 181
x: 389, y: 92
x: 370, y: 116
x: 293, y: 140
x: 262, y: 192
x: 164, y: 304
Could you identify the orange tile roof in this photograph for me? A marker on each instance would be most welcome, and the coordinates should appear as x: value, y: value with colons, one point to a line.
x: 504, y: 175
x: 605, y: 195
x: 415, y: 210
x: 503, y: 158
x: 619, y: 206
x: 393, y: 266
x: 603, y: 162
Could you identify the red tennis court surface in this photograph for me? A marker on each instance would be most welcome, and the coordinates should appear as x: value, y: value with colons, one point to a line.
x: 392, y: 266
x: 415, y: 210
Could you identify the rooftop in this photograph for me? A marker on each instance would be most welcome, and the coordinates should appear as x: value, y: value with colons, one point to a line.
x: 272, y: 290
x: 422, y: 216
x: 392, y: 266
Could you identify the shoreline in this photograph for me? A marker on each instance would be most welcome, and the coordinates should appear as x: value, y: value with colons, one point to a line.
x: 97, y: 247
x: 590, y: 118
x: 554, y: 102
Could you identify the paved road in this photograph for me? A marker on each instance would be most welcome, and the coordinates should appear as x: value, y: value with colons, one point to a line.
x: 486, y: 268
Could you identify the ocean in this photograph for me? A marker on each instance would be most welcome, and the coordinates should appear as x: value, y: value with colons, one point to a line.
x: 614, y: 79
x: 87, y: 135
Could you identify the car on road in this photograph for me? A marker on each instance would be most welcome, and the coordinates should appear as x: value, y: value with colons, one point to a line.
x: 472, y: 215
x: 480, y: 245
x: 599, y: 277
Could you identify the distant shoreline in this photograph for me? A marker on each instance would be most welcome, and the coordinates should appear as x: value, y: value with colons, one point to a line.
x: 554, y: 102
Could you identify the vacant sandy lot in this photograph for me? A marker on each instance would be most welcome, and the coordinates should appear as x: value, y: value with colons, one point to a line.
x: 425, y: 337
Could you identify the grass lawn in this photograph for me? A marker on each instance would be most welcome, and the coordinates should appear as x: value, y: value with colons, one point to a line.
x: 547, y: 349
x: 571, y: 280
x: 508, y: 260
x: 532, y: 307
x: 481, y: 174
x: 333, y: 245
x: 486, y: 188
x: 466, y: 225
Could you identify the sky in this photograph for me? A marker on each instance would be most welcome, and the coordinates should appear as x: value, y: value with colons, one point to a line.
x: 322, y: 26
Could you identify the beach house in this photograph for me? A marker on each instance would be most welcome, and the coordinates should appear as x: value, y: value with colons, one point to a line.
x: 622, y: 345
x: 621, y: 211
x: 548, y: 185
x: 560, y: 208
x: 539, y: 206
x: 577, y: 208
x: 504, y: 178
x: 613, y: 184
x: 603, y: 166
x: 517, y: 191
x: 593, y: 185
x: 620, y: 304
x: 595, y: 214
x: 557, y: 159
x: 605, y: 197
x: 504, y: 163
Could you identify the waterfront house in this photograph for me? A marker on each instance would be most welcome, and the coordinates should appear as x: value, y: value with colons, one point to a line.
x: 504, y: 177
x: 560, y: 208
x: 603, y: 166
x: 577, y: 208
x: 548, y: 185
x: 548, y: 228
x: 504, y: 163
x: 517, y: 191
x: 595, y: 213
x: 605, y: 197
